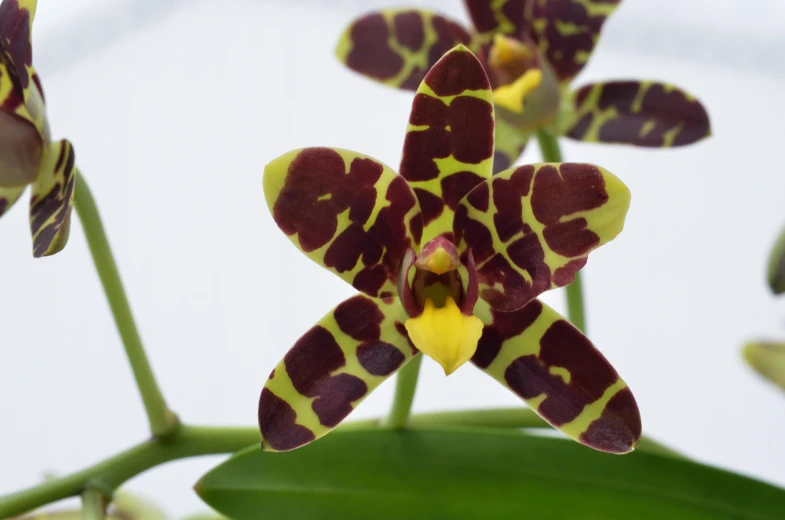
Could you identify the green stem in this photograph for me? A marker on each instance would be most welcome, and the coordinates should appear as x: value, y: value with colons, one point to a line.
x: 108, y: 475
x: 575, y: 311
x: 93, y: 505
x: 405, y: 387
x: 162, y: 421
x: 549, y: 146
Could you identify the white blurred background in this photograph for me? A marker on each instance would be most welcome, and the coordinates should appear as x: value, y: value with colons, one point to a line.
x: 175, y: 106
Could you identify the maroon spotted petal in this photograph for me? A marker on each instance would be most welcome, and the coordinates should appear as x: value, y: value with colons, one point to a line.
x: 449, y: 143
x: 347, y: 212
x: 398, y: 46
x: 532, y: 228
x: 567, y: 31
x: 15, y: 44
x: 551, y: 365
x: 331, y: 369
x: 640, y: 113
x: 498, y: 17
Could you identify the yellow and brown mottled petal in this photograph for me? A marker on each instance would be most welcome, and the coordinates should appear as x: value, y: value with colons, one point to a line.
x: 768, y: 359
x: 531, y: 228
x: 552, y: 366
x: 449, y: 140
x: 491, y: 17
x: 16, y: 50
x: 52, y: 199
x: 640, y: 113
x: 566, y: 31
x: 509, y: 143
x: 776, y: 269
x: 347, y: 212
x: 397, y: 47
x: 331, y: 369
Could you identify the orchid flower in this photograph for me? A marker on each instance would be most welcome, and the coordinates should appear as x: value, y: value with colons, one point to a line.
x: 27, y: 153
x: 448, y: 261
x: 531, y: 51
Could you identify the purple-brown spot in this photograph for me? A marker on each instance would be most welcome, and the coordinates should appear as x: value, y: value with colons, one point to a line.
x: 334, y: 401
x: 565, y: 347
x: 380, y: 358
x: 619, y: 427
x: 471, y: 129
x: 456, y: 186
x: 312, y: 359
x: 16, y: 51
x: 409, y: 30
x: 370, y: 53
x: 277, y: 424
x: 456, y: 72
x: 560, y: 193
x: 310, y: 364
x: 359, y: 318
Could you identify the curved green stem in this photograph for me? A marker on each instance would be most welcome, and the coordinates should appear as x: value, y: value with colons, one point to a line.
x: 575, y: 311
x: 93, y: 505
x: 549, y: 146
x: 405, y: 387
x: 162, y: 421
x: 108, y: 475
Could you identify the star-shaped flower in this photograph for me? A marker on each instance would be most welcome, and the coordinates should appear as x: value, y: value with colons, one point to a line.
x: 531, y: 51
x: 27, y: 153
x: 448, y: 261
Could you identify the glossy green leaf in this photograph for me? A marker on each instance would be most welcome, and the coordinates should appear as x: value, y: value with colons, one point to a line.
x: 477, y: 474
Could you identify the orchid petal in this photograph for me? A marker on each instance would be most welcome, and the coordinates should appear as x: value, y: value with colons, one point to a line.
x: 397, y: 47
x: 491, y: 17
x: 449, y: 141
x: 52, y: 199
x: 531, y: 228
x: 552, y: 366
x: 566, y: 31
x: 331, y: 369
x: 640, y: 113
x: 347, y: 212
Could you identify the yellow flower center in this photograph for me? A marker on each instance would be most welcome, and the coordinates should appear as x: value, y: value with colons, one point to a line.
x: 445, y: 334
x: 511, y: 96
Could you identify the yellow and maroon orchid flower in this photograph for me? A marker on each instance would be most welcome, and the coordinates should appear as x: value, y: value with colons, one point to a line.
x: 448, y: 261
x: 27, y: 154
x: 531, y: 50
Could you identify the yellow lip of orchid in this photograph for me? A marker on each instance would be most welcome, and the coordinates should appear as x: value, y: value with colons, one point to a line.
x: 511, y: 96
x: 445, y: 334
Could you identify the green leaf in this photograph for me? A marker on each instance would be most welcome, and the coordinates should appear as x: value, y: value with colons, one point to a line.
x: 477, y: 474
